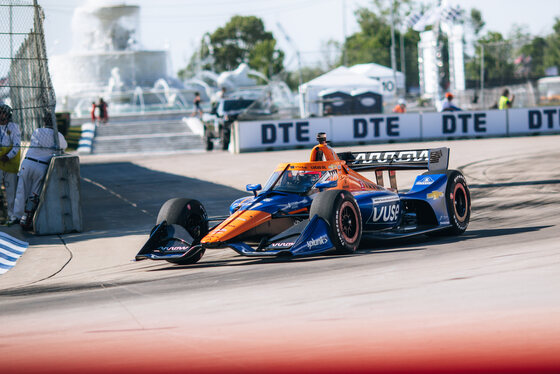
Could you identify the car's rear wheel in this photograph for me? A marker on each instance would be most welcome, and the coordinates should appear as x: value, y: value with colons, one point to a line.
x: 340, y: 210
x: 190, y: 214
x: 458, y: 200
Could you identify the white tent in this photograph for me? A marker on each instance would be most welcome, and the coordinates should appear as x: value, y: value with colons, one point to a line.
x: 383, y: 74
x: 340, y: 79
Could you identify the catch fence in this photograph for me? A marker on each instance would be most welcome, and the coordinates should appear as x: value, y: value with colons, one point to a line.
x: 25, y: 83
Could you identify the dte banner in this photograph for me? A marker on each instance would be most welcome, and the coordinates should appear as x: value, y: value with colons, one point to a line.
x: 256, y: 135
x: 531, y: 120
x: 360, y: 128
x: 377, y: 128
x: 463, y: 123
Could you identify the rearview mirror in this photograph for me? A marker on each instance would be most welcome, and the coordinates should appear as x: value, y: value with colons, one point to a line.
x: 253, y: 188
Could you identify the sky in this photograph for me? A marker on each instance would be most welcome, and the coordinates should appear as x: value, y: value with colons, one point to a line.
x: 178, y: 25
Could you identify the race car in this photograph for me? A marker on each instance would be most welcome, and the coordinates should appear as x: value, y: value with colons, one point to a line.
x: 323, y: 205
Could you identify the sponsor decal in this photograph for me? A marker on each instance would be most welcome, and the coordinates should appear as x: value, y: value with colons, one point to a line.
x: 434, y: 195
x: 283, y: 245
x: 385, y: 213
x: 463, y: 122
x: 285, y: 132
x: 317, y: 242
x: 385, y: 199
x: 173, y: 248
x: 425, y: 181
x: 294, y: 205
x: 391, y: 157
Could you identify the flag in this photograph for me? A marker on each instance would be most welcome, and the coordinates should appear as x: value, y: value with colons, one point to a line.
x: 442, y: 13
x: 412, y: 19
x: 10, y: 250
x: 450, y: 13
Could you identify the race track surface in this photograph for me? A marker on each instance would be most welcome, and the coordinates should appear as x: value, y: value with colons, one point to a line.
x: 486, y: 301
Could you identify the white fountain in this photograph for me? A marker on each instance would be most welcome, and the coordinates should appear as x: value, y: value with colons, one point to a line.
x: 106, y: 58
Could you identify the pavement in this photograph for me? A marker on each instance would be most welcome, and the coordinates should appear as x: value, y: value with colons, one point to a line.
x: 122, y: 193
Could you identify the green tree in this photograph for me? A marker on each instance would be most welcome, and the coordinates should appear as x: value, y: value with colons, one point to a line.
x: 535, y: 50
x: 242, y: 40
x: 307, y: 73
x: 476, y: 21
x: 498, y: 65
x: 552, y: 53
x: 373, y: 42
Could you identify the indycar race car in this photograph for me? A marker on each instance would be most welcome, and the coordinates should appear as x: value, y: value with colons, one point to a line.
x: 326, y: 204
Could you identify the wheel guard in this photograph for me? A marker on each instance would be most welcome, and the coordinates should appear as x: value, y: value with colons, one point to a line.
x: 308, y: 237
x: 168, y: 242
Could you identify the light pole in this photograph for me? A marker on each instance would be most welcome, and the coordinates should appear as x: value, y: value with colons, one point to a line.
x: 393, y: 57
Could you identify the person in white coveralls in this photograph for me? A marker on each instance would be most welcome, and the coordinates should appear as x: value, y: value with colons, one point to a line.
x: 9, y: 158
x: 35, y: 165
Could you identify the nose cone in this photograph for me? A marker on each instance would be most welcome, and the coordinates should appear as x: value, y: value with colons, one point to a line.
x: 236, y: 224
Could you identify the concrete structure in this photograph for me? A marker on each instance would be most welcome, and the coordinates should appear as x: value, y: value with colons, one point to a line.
x: 59, y: 209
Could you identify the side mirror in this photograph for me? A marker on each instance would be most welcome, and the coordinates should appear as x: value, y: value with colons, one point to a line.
x: 254, y: 188
x: 327, y: 184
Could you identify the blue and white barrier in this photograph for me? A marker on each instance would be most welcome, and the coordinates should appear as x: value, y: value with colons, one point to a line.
x: 10, y: 250
x: 86, y: 139
x: 380, y: 128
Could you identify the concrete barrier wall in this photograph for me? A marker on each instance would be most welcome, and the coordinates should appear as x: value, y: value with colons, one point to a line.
x: 59, y: 209
x: 367, y: 129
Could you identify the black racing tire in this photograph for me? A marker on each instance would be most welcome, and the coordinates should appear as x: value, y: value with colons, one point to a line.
x: 188, y: 260
x: 340, y: 210
x: 458, y: 201
x: 190, y: 214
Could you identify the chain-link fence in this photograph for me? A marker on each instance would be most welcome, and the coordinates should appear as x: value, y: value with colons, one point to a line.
x: 25, y: 83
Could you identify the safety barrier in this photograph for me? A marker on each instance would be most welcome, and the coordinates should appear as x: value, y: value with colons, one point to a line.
x: 368, y: 129
x: 59, y: 209
x: 86, y: 140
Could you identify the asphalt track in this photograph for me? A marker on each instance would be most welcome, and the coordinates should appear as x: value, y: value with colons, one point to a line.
x: 487, y: 301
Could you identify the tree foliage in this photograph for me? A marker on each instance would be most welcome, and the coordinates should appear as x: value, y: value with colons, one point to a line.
x: 551, y: 56
x: 243, y: 39
x: 373, y: 42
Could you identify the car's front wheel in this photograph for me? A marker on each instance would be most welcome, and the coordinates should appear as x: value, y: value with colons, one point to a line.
x: 191, y: 215
x: 340, y: 210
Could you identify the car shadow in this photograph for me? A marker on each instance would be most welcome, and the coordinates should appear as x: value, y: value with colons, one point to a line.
x: 121, y: 198
x: 368, y: 246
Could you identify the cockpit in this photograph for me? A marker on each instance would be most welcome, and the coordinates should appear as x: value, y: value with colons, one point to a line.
x: 298, y: 181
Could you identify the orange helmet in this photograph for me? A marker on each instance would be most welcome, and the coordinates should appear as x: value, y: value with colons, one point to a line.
x: 448, y: 95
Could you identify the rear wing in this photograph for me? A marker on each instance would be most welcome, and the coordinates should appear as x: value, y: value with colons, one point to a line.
x: 432, y: 159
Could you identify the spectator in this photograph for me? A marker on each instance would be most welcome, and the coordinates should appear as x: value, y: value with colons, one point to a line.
x: 34, y: 168
x: 447, y: 105
x: 197, y: 108
x: 9, y: 159
x: 400, y: 107
x: 93, y: 108
x: 505, y: 102
x: 103, y: 113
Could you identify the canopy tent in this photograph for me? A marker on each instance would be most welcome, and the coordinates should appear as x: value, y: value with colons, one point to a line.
x: 340, y: 79
x: 383, y: 74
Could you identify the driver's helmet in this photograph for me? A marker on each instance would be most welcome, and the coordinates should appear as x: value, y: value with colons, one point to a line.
x: 308, y: 178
